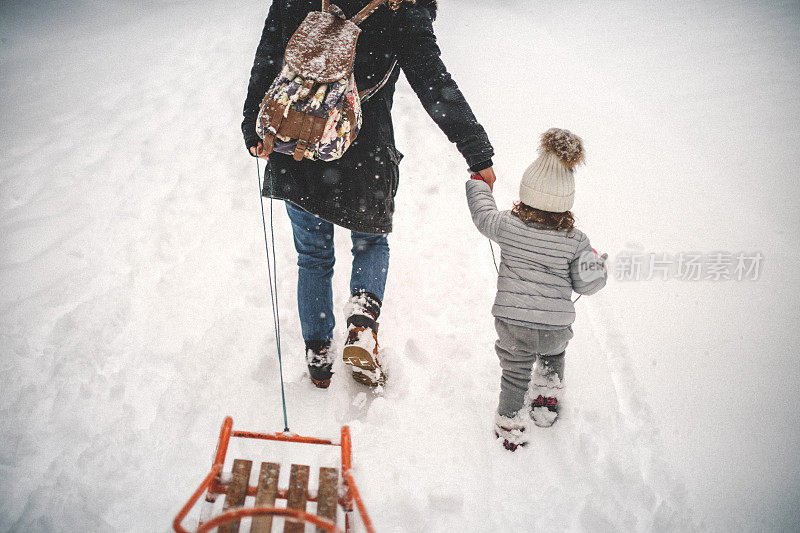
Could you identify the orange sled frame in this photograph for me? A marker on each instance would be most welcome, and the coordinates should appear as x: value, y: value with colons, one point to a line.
x: 213, y: 486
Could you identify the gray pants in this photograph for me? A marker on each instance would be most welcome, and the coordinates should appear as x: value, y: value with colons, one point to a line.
x: 518, y: 347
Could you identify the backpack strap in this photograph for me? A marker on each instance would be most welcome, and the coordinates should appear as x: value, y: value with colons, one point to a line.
x: 372, y: 6
x: 359, y: 18
x: 366, y: 94
x: 367, y: 11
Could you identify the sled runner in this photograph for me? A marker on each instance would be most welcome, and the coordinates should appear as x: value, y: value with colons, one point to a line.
x: 236, y: 489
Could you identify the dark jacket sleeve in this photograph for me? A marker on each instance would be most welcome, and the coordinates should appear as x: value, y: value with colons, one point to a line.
x: 419, y: 56
x: 266, y: 67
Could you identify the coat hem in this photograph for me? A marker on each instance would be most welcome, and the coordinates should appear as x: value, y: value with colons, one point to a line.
x: 325, y: 211
x: 531, y: 325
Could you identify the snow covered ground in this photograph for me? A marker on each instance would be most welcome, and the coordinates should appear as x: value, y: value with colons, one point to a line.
x: 133, y: 304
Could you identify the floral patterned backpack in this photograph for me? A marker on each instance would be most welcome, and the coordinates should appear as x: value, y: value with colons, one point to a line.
x: 313, y: 108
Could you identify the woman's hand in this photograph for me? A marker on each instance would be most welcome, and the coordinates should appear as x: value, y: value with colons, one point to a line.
x: 258, y: 151
x: 488, y: 176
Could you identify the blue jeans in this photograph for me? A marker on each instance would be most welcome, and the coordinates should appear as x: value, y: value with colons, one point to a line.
x: 313, y: 239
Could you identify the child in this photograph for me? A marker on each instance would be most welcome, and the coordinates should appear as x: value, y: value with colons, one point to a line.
x: 543, y: 260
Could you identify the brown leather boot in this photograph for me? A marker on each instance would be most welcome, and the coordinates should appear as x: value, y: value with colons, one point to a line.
x: 361, y: 350
x: 361, y: 354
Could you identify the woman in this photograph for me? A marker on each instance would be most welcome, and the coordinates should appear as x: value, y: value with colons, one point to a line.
x: 357, y: 191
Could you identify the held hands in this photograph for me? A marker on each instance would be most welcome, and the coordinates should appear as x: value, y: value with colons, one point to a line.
x: 487, y: 175
x: 258, y: 151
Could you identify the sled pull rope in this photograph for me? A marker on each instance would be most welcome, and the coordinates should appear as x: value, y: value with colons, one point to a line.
x: 272, y: 269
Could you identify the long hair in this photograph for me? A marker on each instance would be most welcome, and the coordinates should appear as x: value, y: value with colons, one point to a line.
x: 547, y: 219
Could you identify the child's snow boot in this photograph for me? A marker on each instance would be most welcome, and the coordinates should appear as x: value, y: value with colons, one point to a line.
x: 511, y: 430
x: 320, y: 363
x: 547, y: 389
x: 361, y: 348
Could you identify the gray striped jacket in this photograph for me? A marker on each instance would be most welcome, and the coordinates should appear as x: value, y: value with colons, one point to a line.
x: 539, y: 268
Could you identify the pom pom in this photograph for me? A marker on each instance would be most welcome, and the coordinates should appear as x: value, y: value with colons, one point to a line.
x: 565, y: 145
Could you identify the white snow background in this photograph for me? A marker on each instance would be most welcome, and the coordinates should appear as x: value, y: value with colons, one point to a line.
x: 133, y: 305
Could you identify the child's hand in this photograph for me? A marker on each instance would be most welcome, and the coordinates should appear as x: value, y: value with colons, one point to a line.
x: 600, y: 258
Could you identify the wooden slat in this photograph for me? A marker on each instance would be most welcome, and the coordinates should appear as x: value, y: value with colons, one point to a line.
x: 297, y: 497
x: 328, y: 494
x: 265, y: 497
x: 237, y: 492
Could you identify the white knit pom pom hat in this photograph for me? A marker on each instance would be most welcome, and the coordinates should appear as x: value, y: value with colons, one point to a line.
x: 549, y: 184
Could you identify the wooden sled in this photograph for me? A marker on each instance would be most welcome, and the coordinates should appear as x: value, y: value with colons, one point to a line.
x: 328, y: 498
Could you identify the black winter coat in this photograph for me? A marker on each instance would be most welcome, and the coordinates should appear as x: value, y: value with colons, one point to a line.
x: 357, y: 191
